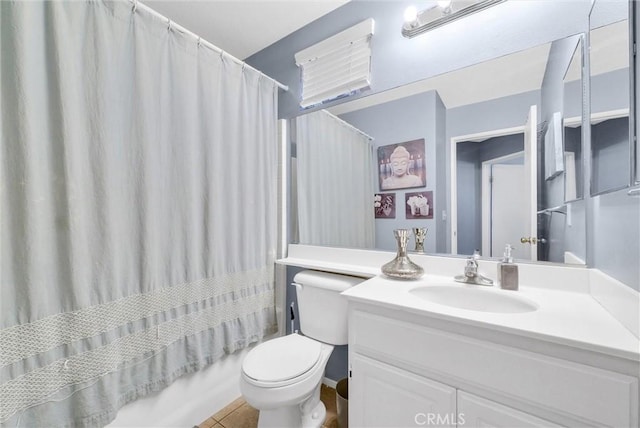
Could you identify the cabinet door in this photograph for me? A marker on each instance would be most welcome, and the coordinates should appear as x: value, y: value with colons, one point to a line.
x: 479, y: 412
x: 384, y: 396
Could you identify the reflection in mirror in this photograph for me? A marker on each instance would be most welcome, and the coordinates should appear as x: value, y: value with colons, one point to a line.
x: 334, y: 161
x: 503, y: 167
x: 483, y: 112
x: 572, y: 125
x: 507, y: 187
x: 610, y: 96
x: 497, y: 165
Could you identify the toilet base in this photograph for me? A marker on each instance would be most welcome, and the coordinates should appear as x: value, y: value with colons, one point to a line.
x: 316, y: 418
x: 309, y: 414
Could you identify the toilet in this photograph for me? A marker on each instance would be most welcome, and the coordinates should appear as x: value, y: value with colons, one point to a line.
x: 282, y: 377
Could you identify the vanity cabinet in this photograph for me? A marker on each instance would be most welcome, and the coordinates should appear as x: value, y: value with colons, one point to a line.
x: 386, y: 396
x: 405, y: 367
x: 391, y: 397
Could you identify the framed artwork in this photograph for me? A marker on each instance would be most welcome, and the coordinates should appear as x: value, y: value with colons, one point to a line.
x: 402, y: 166
x: 419, y: 205
x: 384, y: 205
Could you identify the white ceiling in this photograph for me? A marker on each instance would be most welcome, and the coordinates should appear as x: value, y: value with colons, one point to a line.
x: 243, y: 27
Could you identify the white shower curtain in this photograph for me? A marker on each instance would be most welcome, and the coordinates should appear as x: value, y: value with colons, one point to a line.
x: 335, y: 182
x: 138, y: 208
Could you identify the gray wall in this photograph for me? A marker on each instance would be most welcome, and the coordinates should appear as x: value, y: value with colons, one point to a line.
x: 395, y: 122
x: 614, y: 225
x: 575, y: 236
x: 610, y: 164
x: 610, y: 91
x: 614, y: 228
x: 575, y: 227
x: 617, y: 215
x: 573, y: 143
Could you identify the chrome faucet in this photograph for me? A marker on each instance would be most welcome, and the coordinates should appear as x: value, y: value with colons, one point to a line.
x: 471, y: 275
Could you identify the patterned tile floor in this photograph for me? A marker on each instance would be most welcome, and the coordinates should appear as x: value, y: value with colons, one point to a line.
x: 239, y: 414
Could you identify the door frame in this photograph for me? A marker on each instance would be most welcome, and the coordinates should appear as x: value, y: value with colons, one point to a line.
x: 453, y: 173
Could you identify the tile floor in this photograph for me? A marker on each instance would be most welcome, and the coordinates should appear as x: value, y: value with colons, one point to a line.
x: 239, y: 414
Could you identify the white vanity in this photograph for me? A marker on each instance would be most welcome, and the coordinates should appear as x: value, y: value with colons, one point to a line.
x: 412, y: 360
x: 546, y: 355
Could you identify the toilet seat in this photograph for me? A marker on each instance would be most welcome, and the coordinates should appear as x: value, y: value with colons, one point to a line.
x: 282, y: 361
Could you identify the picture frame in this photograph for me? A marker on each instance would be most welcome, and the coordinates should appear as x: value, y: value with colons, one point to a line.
x: 402, y: 165
x: 419, y: 205
x: 384, y: 205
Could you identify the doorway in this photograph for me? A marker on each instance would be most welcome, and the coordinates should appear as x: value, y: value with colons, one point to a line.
x: 466, y: 199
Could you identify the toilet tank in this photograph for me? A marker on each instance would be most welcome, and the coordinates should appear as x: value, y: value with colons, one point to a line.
x: 321, y: 308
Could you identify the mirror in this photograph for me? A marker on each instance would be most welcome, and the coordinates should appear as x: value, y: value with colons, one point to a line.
x: 572, y: 126
x: 481, y: 113
x: 494, y: 196
x: 610, y: 97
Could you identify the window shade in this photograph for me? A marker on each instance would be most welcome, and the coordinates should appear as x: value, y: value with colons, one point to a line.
x: 336, y: 66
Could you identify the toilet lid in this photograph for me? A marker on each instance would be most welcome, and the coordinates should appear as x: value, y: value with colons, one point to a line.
x: 281, y: 359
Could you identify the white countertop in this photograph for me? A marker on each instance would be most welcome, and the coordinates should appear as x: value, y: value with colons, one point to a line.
x: 343, y: 268
x: 568, y: 313
x: 566, y: 317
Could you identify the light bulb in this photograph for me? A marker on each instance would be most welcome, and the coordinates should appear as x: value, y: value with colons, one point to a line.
x: 410, y: 14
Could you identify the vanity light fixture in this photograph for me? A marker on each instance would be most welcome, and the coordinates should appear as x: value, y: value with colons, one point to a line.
x: 442, y: 12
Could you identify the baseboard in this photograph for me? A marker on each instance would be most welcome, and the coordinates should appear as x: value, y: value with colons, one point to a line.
x: 329, y: 382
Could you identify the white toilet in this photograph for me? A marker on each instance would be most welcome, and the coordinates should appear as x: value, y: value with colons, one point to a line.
x: 282, y: 377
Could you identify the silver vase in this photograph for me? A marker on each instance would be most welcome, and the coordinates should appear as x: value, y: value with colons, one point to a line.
x: 401, y: 267
x: 419, y: 234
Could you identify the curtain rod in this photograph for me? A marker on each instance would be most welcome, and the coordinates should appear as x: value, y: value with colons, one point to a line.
x: 173, y: 25
x: 348, y: 125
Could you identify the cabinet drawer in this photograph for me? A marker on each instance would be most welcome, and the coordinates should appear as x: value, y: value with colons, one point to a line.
x: 476, y: 412
x: 575, y: 390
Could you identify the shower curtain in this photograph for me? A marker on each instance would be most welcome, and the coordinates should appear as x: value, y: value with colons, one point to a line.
x: 335, y: 182
x: 138, y: 208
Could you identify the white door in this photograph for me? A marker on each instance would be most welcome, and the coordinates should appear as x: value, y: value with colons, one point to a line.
x: 476, y: 412
x: 384, y: 396
x: 530, y: 184
x: 508, y: 218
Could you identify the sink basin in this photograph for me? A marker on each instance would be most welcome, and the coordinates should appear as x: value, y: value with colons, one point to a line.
x: 475, y: 299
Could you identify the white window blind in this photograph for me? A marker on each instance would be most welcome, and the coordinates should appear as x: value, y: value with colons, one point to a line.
x: 336, y: 66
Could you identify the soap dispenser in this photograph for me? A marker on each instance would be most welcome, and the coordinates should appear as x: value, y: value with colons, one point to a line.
x: 508, y: 271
